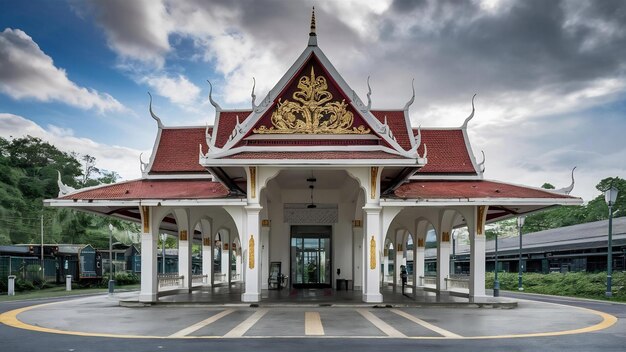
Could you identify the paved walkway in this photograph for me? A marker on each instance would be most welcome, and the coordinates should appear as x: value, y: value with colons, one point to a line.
x: 102, y: 316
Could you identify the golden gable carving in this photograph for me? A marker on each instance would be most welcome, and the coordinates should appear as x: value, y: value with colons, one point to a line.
x: 312, y: 111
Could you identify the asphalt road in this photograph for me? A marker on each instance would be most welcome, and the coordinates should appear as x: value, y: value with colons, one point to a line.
x: 611, y: 339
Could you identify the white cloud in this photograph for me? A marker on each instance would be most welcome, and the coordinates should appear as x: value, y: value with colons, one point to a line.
x: 178, y: 90
x: 532, y: 64
x: 26, y: 72
x: 123, y: 160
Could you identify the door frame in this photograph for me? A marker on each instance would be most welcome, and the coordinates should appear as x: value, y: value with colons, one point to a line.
x: 323, y: 231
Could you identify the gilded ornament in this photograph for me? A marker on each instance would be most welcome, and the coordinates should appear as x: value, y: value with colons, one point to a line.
x: 312, y: 111
x: 373, y: 178
x: 146, y: 218
x: 253, y: 181
x: 251, y: 252
x: 480, y: 222
x: 372, y: 253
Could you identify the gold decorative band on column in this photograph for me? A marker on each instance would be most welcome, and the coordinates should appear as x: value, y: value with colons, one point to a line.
x: 357, y: 223
x: 372, y: 253
x: 385, y: 252
x: 480, y: 222
x: 266, y: 223
x: 251, y: 252
x: 145, y: 215
x: 445, y: 236
x: 225, y: 246
x: 420, y: 242
x: 373, y: 178
x: 206, y: 241
x: 252, y: 182
x: 399, y: 248
x: 183, y: 235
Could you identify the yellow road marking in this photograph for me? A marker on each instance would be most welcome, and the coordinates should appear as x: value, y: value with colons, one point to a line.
x: 242, y: 328
x: 197, y: 326
x: 313, y: 324
x: 384, y: 327
x: 10, y: 319
x: 427, y: 325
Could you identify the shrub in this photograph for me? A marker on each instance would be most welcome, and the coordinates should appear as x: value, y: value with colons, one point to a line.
x: 578, y: 284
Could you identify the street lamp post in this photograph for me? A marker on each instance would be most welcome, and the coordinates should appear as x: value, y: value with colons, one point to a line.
x: 610, y: 196
x: 520, y: 223
x: 111, y: 281
x: 496, y: 283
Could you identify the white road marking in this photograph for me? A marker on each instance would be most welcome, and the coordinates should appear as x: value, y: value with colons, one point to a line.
x: 241, y: 329
x: 427, y: 325
x: 384, y: 327
x: 313, y: 324
x: 197, y: 326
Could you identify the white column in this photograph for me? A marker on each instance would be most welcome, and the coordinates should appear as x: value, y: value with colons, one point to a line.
x: 251, y: 237
x: 149, y: 241
x: 443, y: 260
x: 418, y: 262
x: 265, y: 255
x: 385, y: 264
x: 476, y: 229
x: 373, y: 243
x: 357, y: 264
x: 225, y: 248
x: 207, y: 258
x: 399, y: 261
x: 185, y: 236
x: 238, y: 265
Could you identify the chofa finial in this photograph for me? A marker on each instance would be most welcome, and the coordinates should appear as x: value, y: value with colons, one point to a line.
x: 369, y: 94
x: 252, y: 94
x: 215, y: 105
x: 568, y: 189
x: 154, y: 116
x: 63, y: 189
x: 410, y: 102
x: 471, y: 116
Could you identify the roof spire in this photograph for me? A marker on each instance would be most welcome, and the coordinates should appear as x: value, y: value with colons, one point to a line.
x: 312, y: 34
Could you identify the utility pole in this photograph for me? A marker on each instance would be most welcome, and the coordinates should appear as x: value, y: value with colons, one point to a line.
x: 43, y: 276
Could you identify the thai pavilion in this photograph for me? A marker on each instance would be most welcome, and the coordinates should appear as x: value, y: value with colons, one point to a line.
x: 315, y: 179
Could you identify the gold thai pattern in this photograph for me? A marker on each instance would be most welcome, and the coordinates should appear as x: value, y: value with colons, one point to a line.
x: 420, y: 242
x: 251, y: 252
x: 183, y: 235
x: 372, y: 253
x: 445, y: 236
x: 253, y: 181
x: 480, y: 222
x: 312, y: 111
x: 373, y: 178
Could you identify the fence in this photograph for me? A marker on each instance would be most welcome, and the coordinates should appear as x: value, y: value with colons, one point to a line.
x: 27, y: 269
x: 457, y: 281
x: 170, y: 280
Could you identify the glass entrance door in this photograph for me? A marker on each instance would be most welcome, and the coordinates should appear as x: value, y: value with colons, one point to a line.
x: 311, y: 256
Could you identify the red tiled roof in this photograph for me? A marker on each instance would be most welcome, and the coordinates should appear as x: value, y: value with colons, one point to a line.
x: 447, y: 152
x: 316, y: 155
x: 227, y: 122
x: 178, y: 150
x: 397, y: 124
x: 469, y: 189
x: 154, y: 189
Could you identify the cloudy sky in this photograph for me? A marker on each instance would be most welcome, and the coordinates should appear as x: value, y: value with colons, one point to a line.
x: 550, y: 75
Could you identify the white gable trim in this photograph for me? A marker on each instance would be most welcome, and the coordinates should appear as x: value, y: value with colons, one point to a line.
x: 241, y: 130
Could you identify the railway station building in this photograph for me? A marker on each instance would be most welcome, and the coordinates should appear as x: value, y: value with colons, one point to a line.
x: 314, y: 182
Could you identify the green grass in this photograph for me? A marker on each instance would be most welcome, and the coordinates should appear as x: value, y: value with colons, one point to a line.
x: 584, y: 285
x: 58, y: 292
